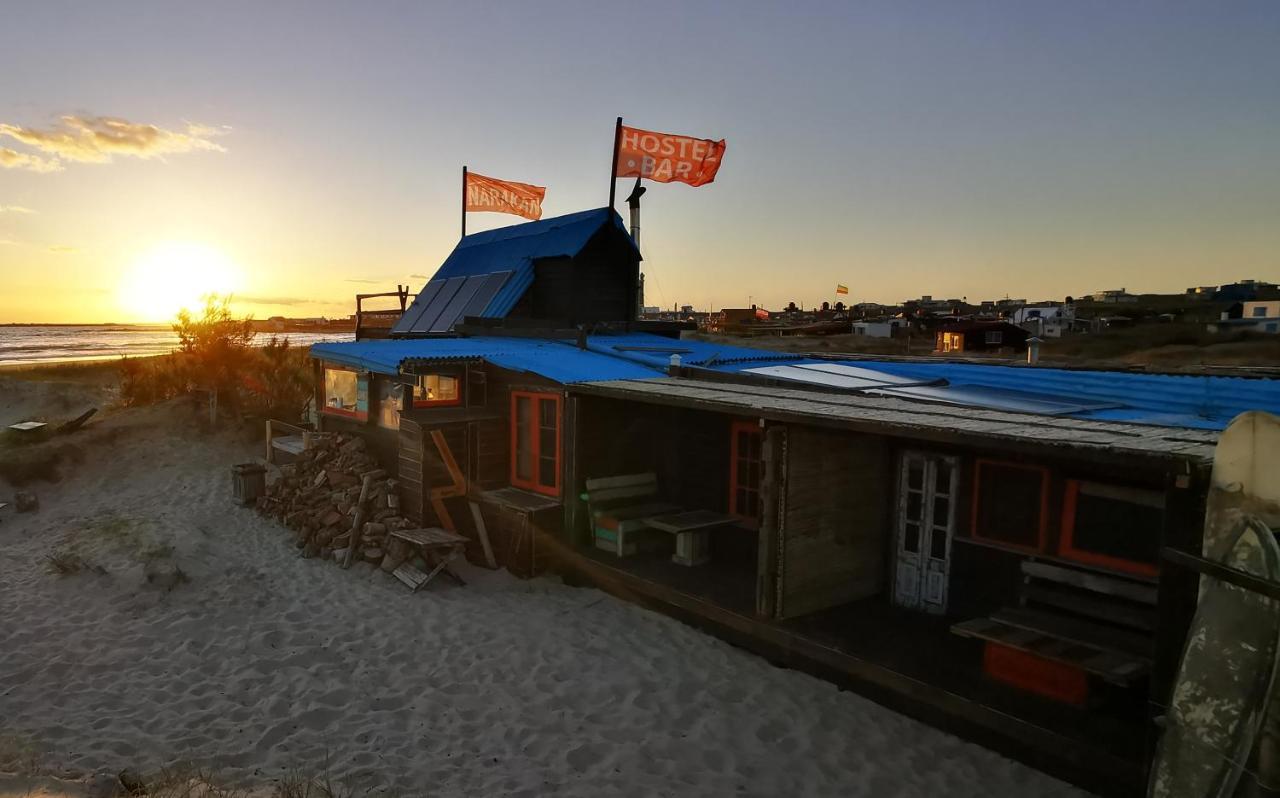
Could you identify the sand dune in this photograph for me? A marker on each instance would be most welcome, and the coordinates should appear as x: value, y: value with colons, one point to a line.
x: 262, y: 661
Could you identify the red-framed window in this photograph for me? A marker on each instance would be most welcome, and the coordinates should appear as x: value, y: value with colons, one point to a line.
x: 1113, y: 527
x: 346, y: 393
x: 535, y: 441
x: 437, y: 390
x: 746, y: 466
x: 1011, y: 504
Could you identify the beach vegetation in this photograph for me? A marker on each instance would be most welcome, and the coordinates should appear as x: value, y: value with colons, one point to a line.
x: 64, y: 562
x: 218, y: 356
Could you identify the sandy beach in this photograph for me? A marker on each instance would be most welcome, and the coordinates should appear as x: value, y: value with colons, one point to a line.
x: 190, y: 630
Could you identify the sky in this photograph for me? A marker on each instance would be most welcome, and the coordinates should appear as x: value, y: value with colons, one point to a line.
x: 295, y: 154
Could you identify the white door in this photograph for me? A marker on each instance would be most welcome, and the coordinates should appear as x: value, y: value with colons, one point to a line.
x: 926, y: 519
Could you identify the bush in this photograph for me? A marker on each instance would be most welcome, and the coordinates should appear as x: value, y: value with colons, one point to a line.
x: 216, y: 353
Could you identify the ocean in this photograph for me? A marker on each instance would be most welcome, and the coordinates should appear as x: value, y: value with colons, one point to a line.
x: 51, y: 344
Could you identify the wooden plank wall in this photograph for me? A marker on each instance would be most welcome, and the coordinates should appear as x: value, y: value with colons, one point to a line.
x: 409, y: 464
x: 835, y: 532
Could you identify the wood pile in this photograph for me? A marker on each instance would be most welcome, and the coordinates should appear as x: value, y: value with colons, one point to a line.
x: 319, y: 498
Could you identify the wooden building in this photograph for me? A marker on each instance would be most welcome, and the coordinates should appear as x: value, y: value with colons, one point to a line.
x: 953, y: 540
x: 981, y: 336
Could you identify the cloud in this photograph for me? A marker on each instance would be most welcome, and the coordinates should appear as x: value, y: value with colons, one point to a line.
x: 14, y: 209
x: 9, y: 242
x: 63, y: 249
x: 420, y: 277
x: 98, y: 139
x: 12, y: 159
x: 366, y: 282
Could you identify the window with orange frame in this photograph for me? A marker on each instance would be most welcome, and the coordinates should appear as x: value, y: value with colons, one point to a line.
x: 1112, y: 526
x: 535, y: 441
x: 1010, y: 504
x: 437, y: 390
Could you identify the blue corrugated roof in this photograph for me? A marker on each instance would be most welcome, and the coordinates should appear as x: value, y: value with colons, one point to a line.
x: 1194, y: 401
x: 561, y: 361
x: 514, y: 249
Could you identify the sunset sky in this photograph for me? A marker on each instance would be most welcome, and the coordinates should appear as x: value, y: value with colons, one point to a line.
x: 298, y: 153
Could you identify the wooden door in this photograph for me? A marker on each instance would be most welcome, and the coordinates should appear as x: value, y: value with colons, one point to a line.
x: 927, y: 493
x: 833, y: 528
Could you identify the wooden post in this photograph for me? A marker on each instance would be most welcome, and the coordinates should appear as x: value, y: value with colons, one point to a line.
x: 767, y: 545
x: 464, y: 207
x: 569, y: 474
x: 356, y: 525
x: 268, y: 458
x: 483, y: 534
x: 613, y: 165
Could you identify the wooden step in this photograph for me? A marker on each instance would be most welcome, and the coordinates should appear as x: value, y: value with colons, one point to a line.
x: 410, y: 576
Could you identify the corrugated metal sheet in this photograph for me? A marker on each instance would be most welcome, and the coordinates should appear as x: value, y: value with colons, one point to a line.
x: 692, y: 352
x: 561, y: 361
x: 510, y: 251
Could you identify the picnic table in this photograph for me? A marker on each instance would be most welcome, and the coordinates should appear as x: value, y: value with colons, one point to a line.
x: 435, y: 543
x: 692, y: 529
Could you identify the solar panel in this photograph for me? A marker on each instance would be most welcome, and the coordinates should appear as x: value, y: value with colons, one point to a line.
x: 490, y: 285
x: 450, y: 312
x: 414, y: 312
x: 441, y: 300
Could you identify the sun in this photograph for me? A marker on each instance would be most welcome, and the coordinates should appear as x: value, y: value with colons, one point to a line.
x: 173, y: 275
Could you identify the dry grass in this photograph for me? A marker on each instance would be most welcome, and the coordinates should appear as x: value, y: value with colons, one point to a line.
x: 63, y: 562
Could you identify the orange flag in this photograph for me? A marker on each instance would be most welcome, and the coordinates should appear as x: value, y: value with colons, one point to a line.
x: 665, y: 158
x: 504, y: 196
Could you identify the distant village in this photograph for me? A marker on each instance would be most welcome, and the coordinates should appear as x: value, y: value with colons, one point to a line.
x: 1245, y: 305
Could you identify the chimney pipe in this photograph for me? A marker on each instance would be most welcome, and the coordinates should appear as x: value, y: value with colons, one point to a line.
x: 1033, y: 351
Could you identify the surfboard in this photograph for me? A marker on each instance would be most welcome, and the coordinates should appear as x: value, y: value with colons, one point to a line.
x: 1226, y: 679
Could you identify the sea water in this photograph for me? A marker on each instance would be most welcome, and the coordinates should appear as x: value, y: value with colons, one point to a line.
x: 54, y: 343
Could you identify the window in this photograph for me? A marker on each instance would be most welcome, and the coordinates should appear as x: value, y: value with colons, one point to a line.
x: 994, y: 336
x: 433, y: 390
x: 535, y: 442
x: 745, y: 469
x: 389, y: 394
x: 1112, y: 526
x: 342, y: 393
x: 1272, y: 326
x: 1260, y: 311
x: 1010, y: 504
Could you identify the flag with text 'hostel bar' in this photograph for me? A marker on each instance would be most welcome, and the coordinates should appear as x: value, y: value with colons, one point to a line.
x: 503, y: 196
x: 666, y: 158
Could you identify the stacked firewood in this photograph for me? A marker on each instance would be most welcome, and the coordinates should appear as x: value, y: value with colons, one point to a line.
x: 319, y: 498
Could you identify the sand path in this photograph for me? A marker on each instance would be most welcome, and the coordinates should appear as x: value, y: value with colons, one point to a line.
x: 264, y: 661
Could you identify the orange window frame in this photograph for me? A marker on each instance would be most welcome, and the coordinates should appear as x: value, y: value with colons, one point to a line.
x: 456, y: 400
x: 735, y: 428
x: 535, y: 441
x: 342, y: 412
x: 1066, y: 541
x: 1042, y: 533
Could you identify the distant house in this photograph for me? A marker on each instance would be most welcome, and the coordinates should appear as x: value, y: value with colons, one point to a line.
x: 1257, y: 316
x: 876, y: 329
x: 1245, y: 290
x: 1114, y: 296
x: 981, y: 336
x: 1045, y: 321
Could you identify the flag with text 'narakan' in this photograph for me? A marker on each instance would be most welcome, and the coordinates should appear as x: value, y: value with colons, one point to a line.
x: 504, y: 196
x: 664, y: 158
x: 842, y: 289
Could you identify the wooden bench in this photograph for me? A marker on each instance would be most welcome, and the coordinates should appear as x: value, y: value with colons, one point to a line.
x: 619, y: 509
x: 433, y: 543
x: 1071, y: 623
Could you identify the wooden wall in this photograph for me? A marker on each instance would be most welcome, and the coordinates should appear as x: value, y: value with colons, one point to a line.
x: 834, y: 533
x: 596, y: 285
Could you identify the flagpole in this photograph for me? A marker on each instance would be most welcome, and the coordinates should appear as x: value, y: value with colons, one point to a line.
x: 464, y: 202
x: 613, y: 167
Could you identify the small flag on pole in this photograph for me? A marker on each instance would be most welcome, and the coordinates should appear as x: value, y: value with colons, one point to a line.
x: 666, y: 158
x: 504, y: 196
x: 842, y: 289
x: 762, y: 314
